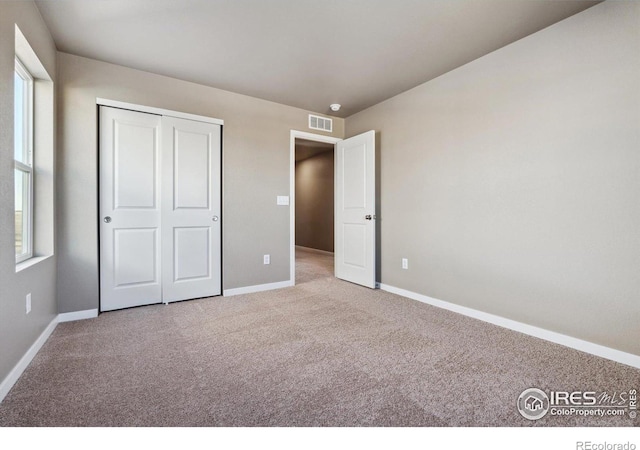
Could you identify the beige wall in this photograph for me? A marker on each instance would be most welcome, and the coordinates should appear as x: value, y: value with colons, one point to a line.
x: 255, y: 165
x: 18, y: 331
x: 512, y: 183
x: 314, y: 201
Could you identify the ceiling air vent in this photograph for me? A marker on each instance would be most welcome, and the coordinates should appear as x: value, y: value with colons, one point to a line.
x: 320, y: 123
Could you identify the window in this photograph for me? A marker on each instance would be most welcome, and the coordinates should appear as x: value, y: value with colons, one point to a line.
x: 23, y: 160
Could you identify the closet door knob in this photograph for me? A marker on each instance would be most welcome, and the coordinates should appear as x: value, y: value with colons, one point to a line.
x: 107, y: 219
x: 214, y: 218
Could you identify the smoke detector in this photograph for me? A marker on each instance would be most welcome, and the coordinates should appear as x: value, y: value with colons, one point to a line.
x: 335, y: 106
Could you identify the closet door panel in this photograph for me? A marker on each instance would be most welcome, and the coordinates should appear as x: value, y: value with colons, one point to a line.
x: 160, y: 208
x: 130, y: 238
x: 191, y: 231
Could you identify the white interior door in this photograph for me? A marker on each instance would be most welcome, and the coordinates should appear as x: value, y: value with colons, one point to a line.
x: 160, y: 229
x: 355, y: 204
x: 191, y: 230
x: 129, y: 209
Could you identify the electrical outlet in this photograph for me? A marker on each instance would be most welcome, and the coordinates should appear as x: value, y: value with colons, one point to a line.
x: 405, y: 263
x: 267, y: 259
x: 28, y: 301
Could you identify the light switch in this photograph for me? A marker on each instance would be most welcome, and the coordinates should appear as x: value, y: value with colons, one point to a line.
x: 282, y: 200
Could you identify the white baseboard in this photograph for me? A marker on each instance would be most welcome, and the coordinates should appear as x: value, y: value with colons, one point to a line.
x: 314, y: 250
x: 257, y: 288
x: 77, y: 315
x: 16, y: 372
x: 551, y: 336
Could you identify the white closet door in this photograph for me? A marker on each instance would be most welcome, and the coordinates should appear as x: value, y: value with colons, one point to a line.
x: 130, y: 240
x: 355, y: 232
x: 191, y: 225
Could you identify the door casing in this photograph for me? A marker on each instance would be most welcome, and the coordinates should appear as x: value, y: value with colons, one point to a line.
x: 167, y: 113
x: 292, y: 190
x: 295, y: 134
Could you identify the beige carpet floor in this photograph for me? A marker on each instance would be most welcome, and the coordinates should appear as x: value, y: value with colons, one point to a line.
x: 323, y: 353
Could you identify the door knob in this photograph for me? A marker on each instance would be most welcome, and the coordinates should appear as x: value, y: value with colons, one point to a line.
x: 214, y: 218
x: 107, y: 219
x: 368, y: 217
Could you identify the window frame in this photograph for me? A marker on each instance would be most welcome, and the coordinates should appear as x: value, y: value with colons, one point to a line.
x: 26, y: 166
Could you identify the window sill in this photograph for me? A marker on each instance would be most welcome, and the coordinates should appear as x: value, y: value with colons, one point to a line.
x: 31, y: 262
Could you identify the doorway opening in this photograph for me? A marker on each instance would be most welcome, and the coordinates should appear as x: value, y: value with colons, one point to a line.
x: 355, y: 205
x: 312, y: 206
x: 314, y: 212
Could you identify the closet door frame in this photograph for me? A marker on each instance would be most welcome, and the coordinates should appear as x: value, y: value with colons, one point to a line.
x: 158, y: 111
x: 167, y: 113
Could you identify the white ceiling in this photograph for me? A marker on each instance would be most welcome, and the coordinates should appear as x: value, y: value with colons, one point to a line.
x: 304, y: 53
